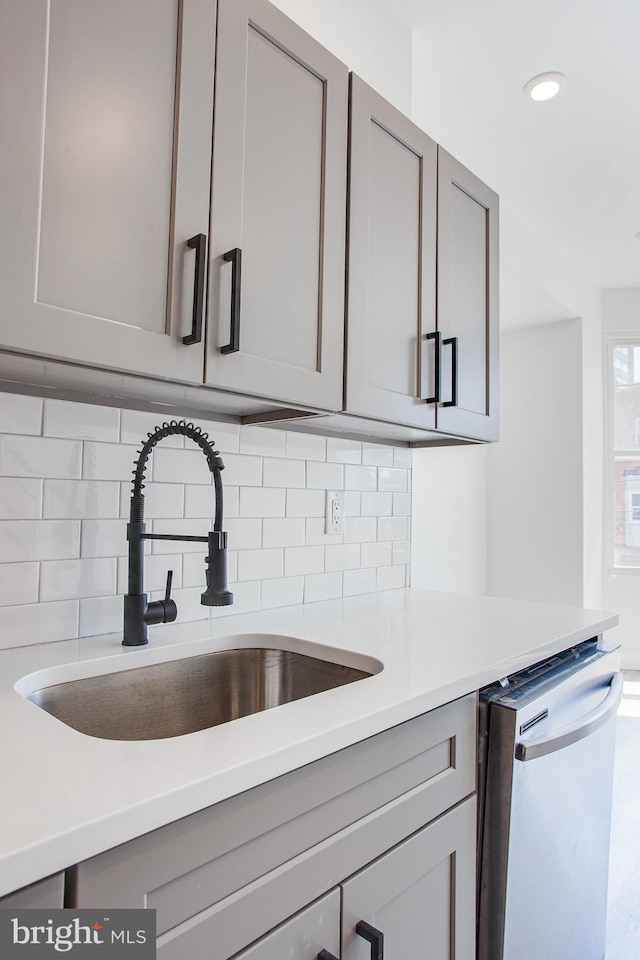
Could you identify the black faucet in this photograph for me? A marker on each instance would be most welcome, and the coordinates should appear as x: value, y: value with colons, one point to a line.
x: 137, y: 612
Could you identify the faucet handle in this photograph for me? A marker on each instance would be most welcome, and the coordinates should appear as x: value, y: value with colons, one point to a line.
x: 167, y: 589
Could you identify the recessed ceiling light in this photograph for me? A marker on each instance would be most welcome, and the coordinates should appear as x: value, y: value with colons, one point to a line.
x: 545, y: 86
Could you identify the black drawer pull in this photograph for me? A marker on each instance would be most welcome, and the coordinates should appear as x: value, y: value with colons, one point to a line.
x: 436, y: 378
x: 454, y: 372
x: 235, y: 256
x: 199, y: 243
x: 375, y: 938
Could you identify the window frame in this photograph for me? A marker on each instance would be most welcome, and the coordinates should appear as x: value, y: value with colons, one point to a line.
x: 613, y: 340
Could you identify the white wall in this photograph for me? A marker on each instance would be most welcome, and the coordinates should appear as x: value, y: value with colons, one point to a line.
x: 535, y: 502
x: 367, y: 36
x: 449, y: 519
x: 621, y: 592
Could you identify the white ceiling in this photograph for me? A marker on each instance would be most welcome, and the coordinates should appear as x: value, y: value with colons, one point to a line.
x: 569, y: 169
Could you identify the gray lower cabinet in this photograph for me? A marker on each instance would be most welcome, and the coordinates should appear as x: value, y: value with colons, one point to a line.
x: 48, y: 893
x: 236, y: 876
x: 304, y: 936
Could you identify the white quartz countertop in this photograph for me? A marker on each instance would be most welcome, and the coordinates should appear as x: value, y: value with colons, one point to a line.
x: 67, y: 796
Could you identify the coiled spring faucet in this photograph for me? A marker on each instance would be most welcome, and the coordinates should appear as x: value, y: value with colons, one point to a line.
x: 138, y: 614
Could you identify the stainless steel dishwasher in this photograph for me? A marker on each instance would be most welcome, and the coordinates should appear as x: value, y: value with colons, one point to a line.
x: 546, y: 749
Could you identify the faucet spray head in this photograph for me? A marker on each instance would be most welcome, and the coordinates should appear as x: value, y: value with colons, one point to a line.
x: 217, y: 593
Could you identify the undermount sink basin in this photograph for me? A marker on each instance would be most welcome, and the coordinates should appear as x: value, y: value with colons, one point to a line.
x: 176, y: 697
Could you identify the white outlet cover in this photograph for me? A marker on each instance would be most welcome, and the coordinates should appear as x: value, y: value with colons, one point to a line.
x: 333, y: 511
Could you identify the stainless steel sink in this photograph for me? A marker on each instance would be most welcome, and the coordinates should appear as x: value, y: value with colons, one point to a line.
x: 182, y: 696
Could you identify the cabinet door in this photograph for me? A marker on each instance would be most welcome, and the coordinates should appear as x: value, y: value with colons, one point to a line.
x: 467, y: 302
x: 303, y: 936
x: 45, y: 894
x: 106, y: 115
x: 420, y: 895
x: 391, y: 282
x: 279, y: 197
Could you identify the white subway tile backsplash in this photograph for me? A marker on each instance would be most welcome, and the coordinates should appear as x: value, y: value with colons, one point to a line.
x: 343, y: 451
x: 390, y: 578
x: 392, y: 479
x: 299, y: 561
x: 103, y: 538
x: 325, y: 476
x: 20, y: 498
x: 245, y: 534
x: 262, y: 442
x: 305, y: 446
x: 360, y: 529
x: 100, y: 615
x: 355, y: 582
x: 136, y: 425
x: 29, y: 623
x: 177, y: 466
x: 283, y: 473
x: 322, y: 586
x: 161, y: 500
x: 22, y: 540
x: 305, y: 503
x: 376, y: 504
x: 66, y: 579
x: 80, y: 421
x: 401, y: 551
x: 402, y: 457
x: 20, y: 414
x: 283, y: 592
x: 200, y: 501
x: 376, y: 554
x: 109, y: 461
x: 360, y: 478
x: 343, y: 556
x: 64, y: 507
x: 260, y: 564
x: 18, y: 583
x: 66, y: 499
x: 392, y: 528
x: 401, y: 504
x: 262, y: 502
x: 377, y: 455
x: 314, y: 532
x: 40, y: 457
x: 287, y: 532
x: 242, y: 471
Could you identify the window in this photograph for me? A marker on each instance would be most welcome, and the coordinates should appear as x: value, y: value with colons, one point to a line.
x: 624, y: 467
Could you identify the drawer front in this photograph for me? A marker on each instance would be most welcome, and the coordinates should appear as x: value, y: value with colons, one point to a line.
x: 386, y: 787
x: 44, y: 894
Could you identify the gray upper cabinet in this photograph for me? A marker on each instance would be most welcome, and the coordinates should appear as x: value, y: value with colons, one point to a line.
x: 391, y: 298
x: 276, y: 316
x: 106, y: 120
x: 467, y: 302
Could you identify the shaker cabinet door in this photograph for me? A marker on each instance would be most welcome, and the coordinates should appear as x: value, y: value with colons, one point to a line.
x: 420, y: 896
x: 302, y: 937
x: 278, y: 208
x: 391, y: 281
x: 106, y: 116
x: 467, y: 302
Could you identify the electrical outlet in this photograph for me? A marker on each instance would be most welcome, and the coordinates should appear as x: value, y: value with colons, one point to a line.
x: 334, y: 510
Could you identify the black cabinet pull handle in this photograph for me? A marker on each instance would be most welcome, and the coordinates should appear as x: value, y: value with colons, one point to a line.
x: 454, y: 372
x: 199, y: 242
x: 375, y: 938
x: 436, y: 335
x: 325, y: 955
x: 235, y: 256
